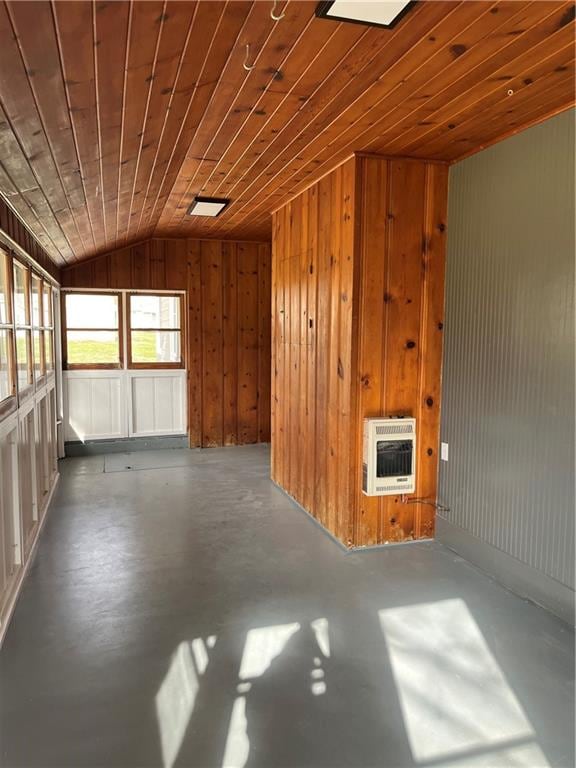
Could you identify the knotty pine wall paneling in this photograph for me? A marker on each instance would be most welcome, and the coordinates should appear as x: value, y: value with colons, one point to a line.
x: 357, y: 308
x: 228, y: 325
x: 313, y: 277
x: 14, y: 233
x: 401, y: 256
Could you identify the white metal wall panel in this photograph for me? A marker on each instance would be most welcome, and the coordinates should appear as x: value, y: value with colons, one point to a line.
x: 508, y: 380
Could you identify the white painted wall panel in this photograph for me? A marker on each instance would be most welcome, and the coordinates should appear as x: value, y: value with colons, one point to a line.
x: 94, y: 405
x: 117, y: 404
x: 158, y: 403
x: 28, y: 467
x: 9, y: 513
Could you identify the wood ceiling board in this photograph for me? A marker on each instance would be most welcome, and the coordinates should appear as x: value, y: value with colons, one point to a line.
x: 555, y: 77
x: 206, y: 53
x: 111, y: 25
x: 141, y: 57
x: 31, y: 152
x: 415, y: 100
x: 256, y: 32
x: 175, y: 26
x: 398, y: 79
x: 117, y: 114
x: 280, y: 100
x: 514, y: 64
x: 199, y: 34
x: 265, y: 88
x: 41, y: 59
x: 343, y: 86
x: 27, y: 208
x: 494, y: 84
x: 73, y: 22
x: 225, y: 32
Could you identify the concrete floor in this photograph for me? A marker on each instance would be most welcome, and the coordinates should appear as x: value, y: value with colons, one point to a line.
x: 181, y: 611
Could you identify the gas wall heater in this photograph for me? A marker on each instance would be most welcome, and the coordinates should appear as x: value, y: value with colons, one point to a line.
x: 389, y: 466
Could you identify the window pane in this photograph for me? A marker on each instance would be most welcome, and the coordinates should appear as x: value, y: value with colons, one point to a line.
x: 47, y: 305
x: 155, y: 346
x: 21, y: 308
x: 49, y: 350
x: 22, y: 359
x: 3, y: 287
x: 91, y: 310
x: 37, y: 339
x: 155, y: 311
x: 5, y: 377
x: 89, y: 347
x: 36, y: 286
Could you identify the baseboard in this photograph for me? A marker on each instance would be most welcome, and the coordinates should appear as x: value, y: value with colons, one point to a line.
x: 124, y: 445
x: 17, y: 587
x: 349, y: 550
x: 517, y: 576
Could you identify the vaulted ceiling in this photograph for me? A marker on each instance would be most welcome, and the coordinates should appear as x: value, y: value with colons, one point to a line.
x: 113, y: 115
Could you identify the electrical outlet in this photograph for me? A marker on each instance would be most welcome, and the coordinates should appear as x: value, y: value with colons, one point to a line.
x: 444, y: 451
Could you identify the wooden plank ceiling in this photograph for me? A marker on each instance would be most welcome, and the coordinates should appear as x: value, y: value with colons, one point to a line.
x: 113, y: 115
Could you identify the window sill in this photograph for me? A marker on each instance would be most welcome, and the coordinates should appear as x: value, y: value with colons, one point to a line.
x: 8, y: 406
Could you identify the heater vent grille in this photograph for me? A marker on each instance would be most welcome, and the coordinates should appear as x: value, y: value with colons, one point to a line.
x: 393, y: 488
x: 395, y: 429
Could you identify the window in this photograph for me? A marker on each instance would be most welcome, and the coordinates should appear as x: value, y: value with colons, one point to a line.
x: 93, y: 330
x: 154, y: 339
x: 7, y: 382
x: 37, y: 332
x: 47, y: 311
x: 23, y: 326
x: 26, y: 330
x: 122, y: 329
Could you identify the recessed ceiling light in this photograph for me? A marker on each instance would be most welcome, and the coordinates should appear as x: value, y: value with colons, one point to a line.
x: 207, y: 206
x: 378, y: 13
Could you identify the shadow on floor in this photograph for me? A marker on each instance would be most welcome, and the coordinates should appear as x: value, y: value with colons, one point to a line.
x: 191, y: 615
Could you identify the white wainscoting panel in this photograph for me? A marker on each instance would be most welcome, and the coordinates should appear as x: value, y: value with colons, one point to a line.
x: 95, y: 405
x: 158, y: 403
x: 28, y: 474
x: 100, y: 405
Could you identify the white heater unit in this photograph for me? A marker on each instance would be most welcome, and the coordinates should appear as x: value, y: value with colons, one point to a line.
x: 389, y: 466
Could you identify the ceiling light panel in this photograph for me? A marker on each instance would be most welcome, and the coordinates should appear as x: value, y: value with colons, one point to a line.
x: 380, y: 13
x: 207, y: 206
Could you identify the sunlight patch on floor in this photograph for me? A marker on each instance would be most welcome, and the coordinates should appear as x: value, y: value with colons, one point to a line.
x: 456, y: 703
x: 177, y: 695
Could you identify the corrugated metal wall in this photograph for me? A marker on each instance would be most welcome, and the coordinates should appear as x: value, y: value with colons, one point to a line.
x: 508, y: 381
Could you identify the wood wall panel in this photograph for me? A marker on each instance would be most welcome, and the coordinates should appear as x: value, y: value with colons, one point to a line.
x: 228, y: 325
x: 312, y: 329
x: 15, y: 231
x: 358, y: 276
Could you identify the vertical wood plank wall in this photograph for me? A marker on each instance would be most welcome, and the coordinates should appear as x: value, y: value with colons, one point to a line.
x: 11, y: 226
x: 228, y: 325
x: 357, y: 317
x: 312, y: 435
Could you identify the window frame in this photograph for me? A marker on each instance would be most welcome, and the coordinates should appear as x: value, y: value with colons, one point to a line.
x: 9, y: 404
x: 26, y: 327
x: 38, y: 328
x: 131, y: 364
x: 48, y: 328
x: 120, y: 329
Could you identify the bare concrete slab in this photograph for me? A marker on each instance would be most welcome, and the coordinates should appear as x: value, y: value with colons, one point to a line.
x: 192, y: 615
